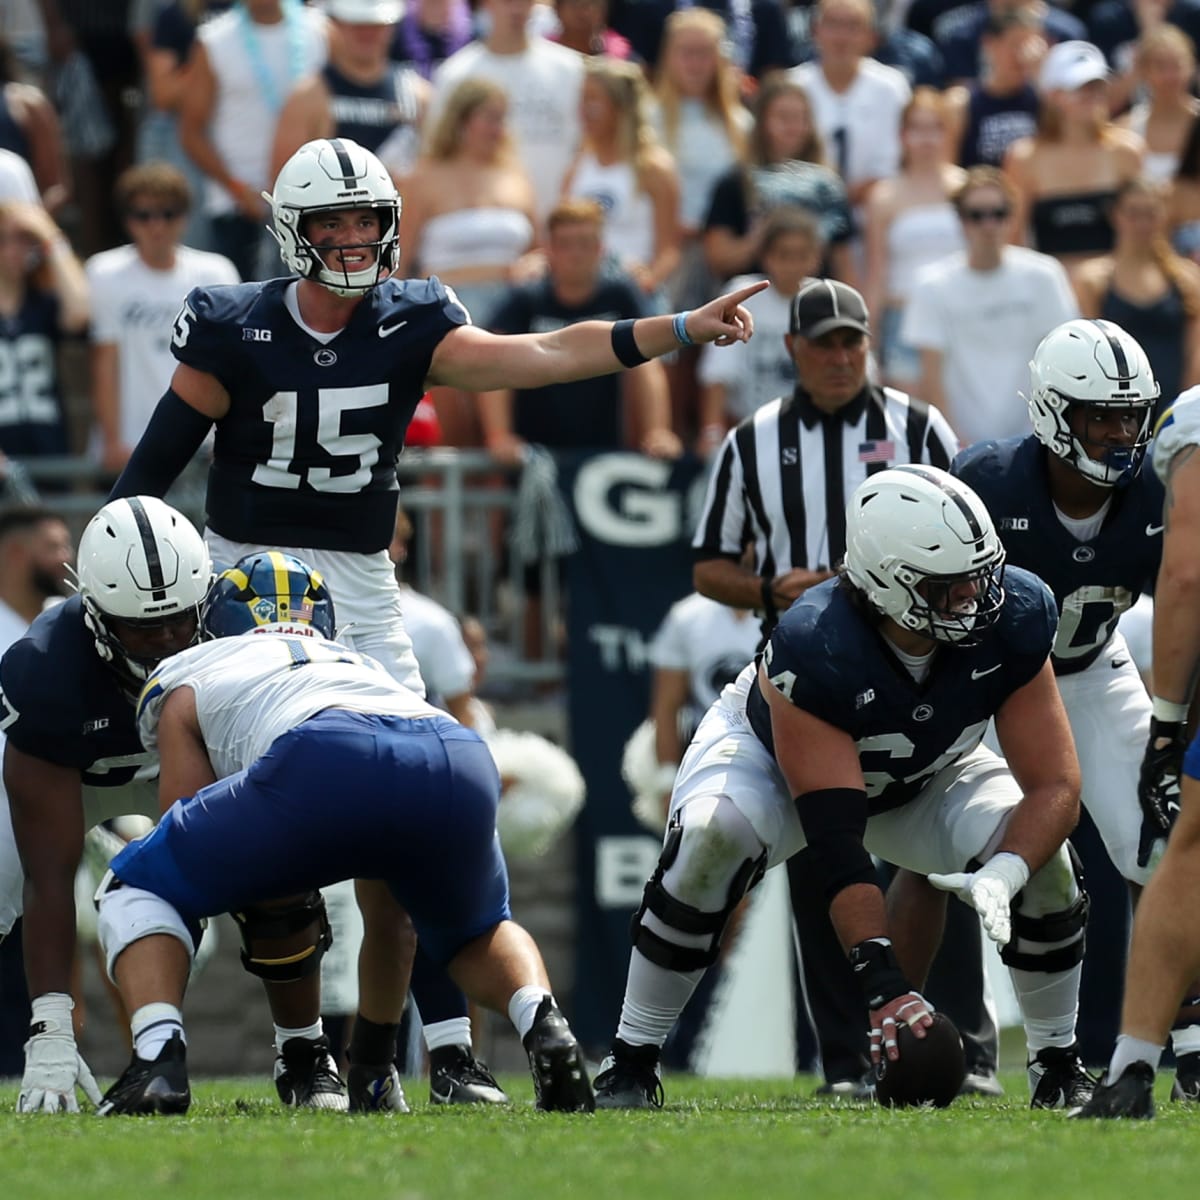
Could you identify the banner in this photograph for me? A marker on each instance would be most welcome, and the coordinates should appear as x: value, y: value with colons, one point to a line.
x: 635, y: 517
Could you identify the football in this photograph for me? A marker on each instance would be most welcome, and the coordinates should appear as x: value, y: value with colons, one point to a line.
x: 930, y: 1070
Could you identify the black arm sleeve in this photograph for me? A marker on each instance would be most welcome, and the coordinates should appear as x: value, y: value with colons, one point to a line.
x: 173, y: 434
x: 834, y: 821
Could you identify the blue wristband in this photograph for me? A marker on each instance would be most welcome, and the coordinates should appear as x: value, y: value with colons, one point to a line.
x: 680, y: 327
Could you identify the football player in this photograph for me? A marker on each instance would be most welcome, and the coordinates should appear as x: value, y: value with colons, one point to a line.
x: 311, y: 382
x: 1164, y: 954
x: 1074, y: 506
x: 72, y: 757
x: 302, y: 763
x: 859, y: 733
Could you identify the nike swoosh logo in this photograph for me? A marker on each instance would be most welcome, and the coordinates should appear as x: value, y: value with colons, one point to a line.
x: 388, y: 330
x: 977, y: 674
x: 1151, y: 530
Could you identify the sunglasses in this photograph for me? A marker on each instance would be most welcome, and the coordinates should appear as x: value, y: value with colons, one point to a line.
x: 978, y: 215
x: 153, y: 214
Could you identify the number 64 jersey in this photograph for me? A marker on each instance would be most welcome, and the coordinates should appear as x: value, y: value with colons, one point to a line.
x: 306, y: 454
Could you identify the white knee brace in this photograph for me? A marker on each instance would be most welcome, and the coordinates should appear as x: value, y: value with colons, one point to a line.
x: 128, y: 914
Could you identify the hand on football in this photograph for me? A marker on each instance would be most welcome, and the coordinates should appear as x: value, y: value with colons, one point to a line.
x: 911, y: 1009
x: 989, y: 891
x: 1158, y: 783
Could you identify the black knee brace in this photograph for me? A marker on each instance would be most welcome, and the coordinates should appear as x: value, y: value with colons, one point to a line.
x: 683, y: 917
x: 1070, y: 922
x: 274, y: 923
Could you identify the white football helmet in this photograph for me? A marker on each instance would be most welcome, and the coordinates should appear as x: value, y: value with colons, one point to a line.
x: 912, y: 534
x: 324, y: 176
x: 143, y: 563
x: 1091, y: 363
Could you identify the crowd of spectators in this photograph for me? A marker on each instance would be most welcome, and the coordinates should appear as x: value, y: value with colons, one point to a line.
x: 729, y: 138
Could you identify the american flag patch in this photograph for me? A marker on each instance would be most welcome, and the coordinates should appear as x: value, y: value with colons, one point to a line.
x: 876, y: 452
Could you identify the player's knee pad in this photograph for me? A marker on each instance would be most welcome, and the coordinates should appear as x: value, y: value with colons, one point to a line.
x: 687, y: 919
x: 1049, y: 917
x: 271, y: 924
x: 128, y: 914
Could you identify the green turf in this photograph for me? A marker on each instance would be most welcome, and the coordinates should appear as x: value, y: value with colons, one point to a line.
x: 715, y: 1138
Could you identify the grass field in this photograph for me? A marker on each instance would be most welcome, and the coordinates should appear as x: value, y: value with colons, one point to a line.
x: 715, y: 1138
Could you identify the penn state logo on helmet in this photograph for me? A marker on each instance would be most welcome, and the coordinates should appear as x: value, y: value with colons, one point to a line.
x: 1097, y: 367
x: 269, y: 592
x: 915, y: 535
x: 335, y: 175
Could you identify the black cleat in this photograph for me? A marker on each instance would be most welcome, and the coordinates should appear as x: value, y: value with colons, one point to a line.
x: 456, y: 1076
x: 307, y: 1077
x: 1187, y: 1078
x: 375, y: 1089
x: 629, y: 1078
x: 1058, y: 1078
x: 1131, y: 1097
x: 560, y: 1080
x: 148, y: 1088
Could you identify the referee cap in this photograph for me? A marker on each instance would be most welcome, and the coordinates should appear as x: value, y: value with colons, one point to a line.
x: 824, y: 304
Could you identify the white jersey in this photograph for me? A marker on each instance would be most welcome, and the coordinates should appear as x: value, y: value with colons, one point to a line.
x: 710, y: 641
x: 254, y: 688
x: 1178, y: 428
x: 446, y: 664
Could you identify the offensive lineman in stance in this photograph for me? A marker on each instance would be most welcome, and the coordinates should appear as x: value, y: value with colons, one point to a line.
x: 859, y: 733
x: 301, y: 763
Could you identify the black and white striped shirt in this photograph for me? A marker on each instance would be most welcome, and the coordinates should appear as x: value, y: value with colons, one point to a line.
x: 783, y: 475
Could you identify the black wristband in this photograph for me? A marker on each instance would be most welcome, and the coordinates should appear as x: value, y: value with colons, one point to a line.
x: 625, y: 345
x: 878, y: 973
x: 767, y: 592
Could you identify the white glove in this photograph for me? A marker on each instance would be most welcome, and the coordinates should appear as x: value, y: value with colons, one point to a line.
x: 989, y: 891
x: 53, y: 1065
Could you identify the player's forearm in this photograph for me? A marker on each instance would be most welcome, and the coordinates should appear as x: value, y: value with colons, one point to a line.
x: 1042, y: 821
x: 586, y: 349
x: 48, y: 931
x: 858, y: 912
x: 1176, y: 632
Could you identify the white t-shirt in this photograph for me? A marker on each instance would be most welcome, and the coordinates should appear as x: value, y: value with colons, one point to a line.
x: 134, y: 306
x: 860, y: 126
x: 446, y: 664
x: 761, y: 369
x: 710, y: 641
x: 16, y: 179
x: 248, y: 691
x: 987, y: 324
x: 542, y: 83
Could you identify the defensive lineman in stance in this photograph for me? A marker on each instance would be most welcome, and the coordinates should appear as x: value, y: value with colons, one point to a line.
x: 311, y: 381
x: 302, y: 763
x: 859, y: 733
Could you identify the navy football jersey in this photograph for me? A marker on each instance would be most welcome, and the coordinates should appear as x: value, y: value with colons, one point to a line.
x: 60, y: 703
x: 828, y: 658
x: 306, y: 455
x: 1093, y: 582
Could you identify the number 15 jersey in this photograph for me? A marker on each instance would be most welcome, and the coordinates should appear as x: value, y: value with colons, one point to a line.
x: 306, y: 455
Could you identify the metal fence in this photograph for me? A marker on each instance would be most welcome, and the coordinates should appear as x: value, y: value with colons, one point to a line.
x: 460, y: 503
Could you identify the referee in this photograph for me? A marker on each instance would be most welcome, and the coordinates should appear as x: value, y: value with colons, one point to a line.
x: 781, y: 480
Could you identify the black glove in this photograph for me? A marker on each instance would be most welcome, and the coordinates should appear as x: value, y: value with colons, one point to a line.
x: 1158, y: 783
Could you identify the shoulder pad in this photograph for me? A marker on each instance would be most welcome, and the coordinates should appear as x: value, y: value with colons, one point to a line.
x: 1177, y: 428
x: 209, y: 325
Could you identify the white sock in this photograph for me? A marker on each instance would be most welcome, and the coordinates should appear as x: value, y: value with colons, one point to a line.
x: 1186, y: 1040
x: 523, y: 1006
x: 311, y: 1032
x: 654, y: 998
x: 1049, y: 1005
x: 153, y: 1026
x: 1130, y: 1050
x: 454, y: 1032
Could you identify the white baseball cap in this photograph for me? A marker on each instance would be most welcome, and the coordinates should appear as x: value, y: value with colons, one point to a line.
x: 1070, y: 65
x: 366, y: 12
